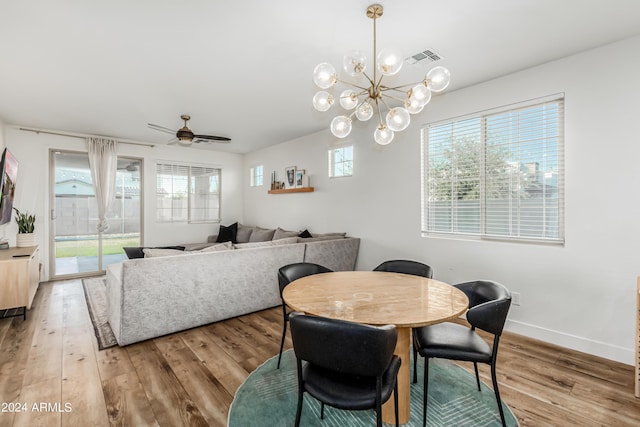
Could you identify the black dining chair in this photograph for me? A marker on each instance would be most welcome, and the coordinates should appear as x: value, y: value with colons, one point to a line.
x: 489, y: 304
x: 344, y: 364
x: 288, y: 274
x: 407, y: 267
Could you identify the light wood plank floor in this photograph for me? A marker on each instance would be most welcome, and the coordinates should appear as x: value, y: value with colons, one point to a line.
x: 52, y: 361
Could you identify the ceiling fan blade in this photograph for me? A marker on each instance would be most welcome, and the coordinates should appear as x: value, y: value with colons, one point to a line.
x: 212, y: 138
x: 161, y: 128
x: 172, y: 141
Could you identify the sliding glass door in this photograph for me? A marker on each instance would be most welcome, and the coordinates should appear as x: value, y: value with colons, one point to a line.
x: 77, y: 248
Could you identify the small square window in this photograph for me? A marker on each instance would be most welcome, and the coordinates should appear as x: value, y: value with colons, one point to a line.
x: 257, y: 176
x: 341, y: 161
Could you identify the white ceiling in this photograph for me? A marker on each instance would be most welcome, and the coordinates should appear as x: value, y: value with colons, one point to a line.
x: 243, y: 69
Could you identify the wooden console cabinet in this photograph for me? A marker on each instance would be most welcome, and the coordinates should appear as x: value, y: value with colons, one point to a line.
x: 19, y: 276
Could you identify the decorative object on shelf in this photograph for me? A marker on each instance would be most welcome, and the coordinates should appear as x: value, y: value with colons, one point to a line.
x: 300, y: 178
x: 290, y: 177
x: 26, y: 226
x: 374, y: 96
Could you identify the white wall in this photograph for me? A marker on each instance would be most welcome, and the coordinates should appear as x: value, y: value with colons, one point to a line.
x: 32, y: 186
x: 580, y: 295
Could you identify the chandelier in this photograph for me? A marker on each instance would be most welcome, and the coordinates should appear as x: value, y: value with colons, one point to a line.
x: 373, y: 96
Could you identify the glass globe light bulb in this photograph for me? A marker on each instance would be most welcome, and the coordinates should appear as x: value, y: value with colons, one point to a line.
x: 398, y: 119
x: 413, y: 106
x: 438, y: 79
x: 389, y: 62
x: 420, y: 94
x: 324, y: 75
x: 383, y: 135
x: 364, y: 112
x: 341, y: 126
x: 348, y: 99
x: 354, y: 63
x: 322, y: 100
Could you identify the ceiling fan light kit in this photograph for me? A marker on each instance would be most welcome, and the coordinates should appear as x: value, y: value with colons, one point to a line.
x: 374, y: 96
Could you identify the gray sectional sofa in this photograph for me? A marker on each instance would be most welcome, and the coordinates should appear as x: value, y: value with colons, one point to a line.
x: 150, y: 297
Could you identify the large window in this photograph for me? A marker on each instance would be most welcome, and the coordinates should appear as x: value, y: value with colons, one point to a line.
x: 187, y: 193
x: 497, y: 174
x: 341, y: 161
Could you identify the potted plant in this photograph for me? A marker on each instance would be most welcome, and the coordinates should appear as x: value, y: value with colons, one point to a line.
x: 26, y: 225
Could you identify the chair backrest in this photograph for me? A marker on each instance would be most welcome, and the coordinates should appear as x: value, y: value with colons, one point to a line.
x: 489, y: 304
x: 341, y: 346
x: 407, y: 267
x: 291, y: 272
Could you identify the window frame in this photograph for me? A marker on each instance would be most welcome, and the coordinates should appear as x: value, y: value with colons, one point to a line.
x: 191, y: 170
x: 332, y: 160
x: 428, y: 227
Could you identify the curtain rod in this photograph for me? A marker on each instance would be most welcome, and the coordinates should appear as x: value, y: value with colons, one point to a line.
x: 80, y: 135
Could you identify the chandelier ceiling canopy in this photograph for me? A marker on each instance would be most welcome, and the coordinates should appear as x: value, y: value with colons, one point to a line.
x: 373, y: 96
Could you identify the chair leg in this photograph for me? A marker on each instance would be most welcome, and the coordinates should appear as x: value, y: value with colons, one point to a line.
x: 284, y: 334
x: 299, y: 409
x: 322, y: 410
x: 494, y: 379
x: 426, y: 391
x: 475, y: 366
x: 415, y: 364
x: 395, y: 401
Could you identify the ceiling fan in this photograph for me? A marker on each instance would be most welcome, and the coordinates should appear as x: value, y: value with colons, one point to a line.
x: 185, y: 136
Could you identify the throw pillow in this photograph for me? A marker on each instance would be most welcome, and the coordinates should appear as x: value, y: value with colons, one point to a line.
x: 137, y: 251
x: 305, y: 234
x: 227, y: 233
x: 261, y: 235
x: 244, y: 233
x: 152, y: 253
x: 282, y: 234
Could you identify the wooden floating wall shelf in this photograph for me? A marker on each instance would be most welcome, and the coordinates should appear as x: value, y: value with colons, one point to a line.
x: 292, y: 190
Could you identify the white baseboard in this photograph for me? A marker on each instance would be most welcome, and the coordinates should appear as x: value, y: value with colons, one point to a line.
x: 574, y: 342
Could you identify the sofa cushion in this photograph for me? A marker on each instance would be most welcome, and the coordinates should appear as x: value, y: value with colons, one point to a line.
x: 153, y: 252
x: 215, y: 248
x: 285, y: 241
x: 328, y: 234
x: 282, y: 234
x: 261, y: 234
x: 137, y: 251
x: 244, y: 233
x: 227, y: 233
x: 319, y: 238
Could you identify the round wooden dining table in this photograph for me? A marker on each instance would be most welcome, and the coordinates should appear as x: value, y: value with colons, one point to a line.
x: 380, y: 298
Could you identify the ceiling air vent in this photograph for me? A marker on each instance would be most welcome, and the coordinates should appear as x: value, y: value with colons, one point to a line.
x: 426, y: 56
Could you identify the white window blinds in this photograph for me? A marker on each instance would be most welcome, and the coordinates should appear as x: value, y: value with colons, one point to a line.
x: 187, y: 193
x: 497, y: 174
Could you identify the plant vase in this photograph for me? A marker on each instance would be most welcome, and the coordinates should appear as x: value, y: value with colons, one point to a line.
x: 24, y: 240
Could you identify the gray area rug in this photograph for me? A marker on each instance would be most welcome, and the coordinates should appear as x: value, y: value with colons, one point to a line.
x: 269, y: 395
x: 95, y: 293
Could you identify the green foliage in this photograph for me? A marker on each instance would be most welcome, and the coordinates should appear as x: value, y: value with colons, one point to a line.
x: 457, y: 174
x: 26, y: 222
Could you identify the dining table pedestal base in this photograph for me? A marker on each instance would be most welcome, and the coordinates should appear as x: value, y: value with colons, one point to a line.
x: 403, y: 349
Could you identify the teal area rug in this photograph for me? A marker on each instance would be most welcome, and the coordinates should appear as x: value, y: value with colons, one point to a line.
x: 269, y: 397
